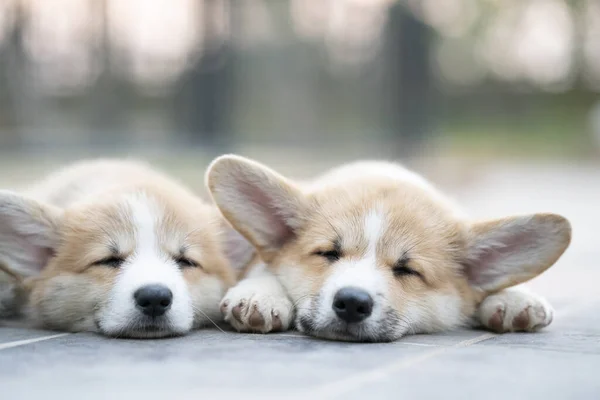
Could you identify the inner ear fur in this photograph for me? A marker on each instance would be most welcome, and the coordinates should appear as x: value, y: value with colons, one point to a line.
x: 262, y: 205
x: 509, y: 251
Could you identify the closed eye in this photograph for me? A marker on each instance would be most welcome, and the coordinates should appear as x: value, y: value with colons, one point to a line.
x: 401, y: 268
x: 112, y: 262
x: 184, y: 262
x: 330, y: 255
x: 333, y: 254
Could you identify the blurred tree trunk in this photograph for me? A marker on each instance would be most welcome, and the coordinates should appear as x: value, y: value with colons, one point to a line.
x: 406, y: 92
x: 14, y: 95
x: 107, y: 101
x: 204, y: 98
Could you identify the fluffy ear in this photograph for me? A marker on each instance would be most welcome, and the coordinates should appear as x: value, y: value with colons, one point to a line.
x: 238, y: 250
x: 28, y: 234
x: 510, y: 251
x: 258, y: 202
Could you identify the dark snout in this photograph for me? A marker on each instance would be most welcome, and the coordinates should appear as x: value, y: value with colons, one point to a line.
x: 352, y: 304
x: 153, y: 300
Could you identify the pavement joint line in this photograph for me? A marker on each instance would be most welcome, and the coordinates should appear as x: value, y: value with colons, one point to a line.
x: 18, y: 343
x: 342, y: 386
x: 419, y: 344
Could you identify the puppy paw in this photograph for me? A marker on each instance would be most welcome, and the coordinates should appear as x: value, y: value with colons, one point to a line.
x: 515, y: 310
x: 257, y: 305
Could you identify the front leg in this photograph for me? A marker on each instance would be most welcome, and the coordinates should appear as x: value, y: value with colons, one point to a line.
x: 515, y: 310
x: 258, y: 303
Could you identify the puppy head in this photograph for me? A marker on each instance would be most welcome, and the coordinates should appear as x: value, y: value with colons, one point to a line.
x: 374, y: 256
x: 138, y: 264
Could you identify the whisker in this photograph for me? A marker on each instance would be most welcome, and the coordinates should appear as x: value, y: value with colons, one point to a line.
x: 213, y: 322
x: 190, y: 233
x: 297, y: 302
x: 409, y: 324
x: 111, y: 240
x: 320, y: 212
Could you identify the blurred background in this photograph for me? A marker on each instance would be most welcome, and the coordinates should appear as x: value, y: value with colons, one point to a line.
x: 316, y: 79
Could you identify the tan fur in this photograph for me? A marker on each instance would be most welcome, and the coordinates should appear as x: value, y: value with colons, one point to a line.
x: 417, y: 221
x: 90, y: 215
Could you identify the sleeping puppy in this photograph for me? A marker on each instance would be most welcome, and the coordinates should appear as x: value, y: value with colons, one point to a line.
x: 372, y: 252
x: 113, y: 247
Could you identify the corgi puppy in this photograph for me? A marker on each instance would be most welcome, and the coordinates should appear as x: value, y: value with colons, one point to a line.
x: 114, y: 247
x: 372, y: 252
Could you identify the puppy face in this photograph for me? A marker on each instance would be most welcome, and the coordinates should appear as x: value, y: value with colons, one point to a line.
x: 369, y: 268
x: 372, y: 252
x: 136, y: 264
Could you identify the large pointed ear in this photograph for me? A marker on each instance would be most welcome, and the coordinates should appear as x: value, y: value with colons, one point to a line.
x: 506, y: 252
x: 28, y: 234
x: 238, y: 250
x: 259, y: 203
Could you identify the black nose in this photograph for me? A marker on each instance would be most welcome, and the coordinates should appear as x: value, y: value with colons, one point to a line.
x: 352, y: 304
x: 153, y: 300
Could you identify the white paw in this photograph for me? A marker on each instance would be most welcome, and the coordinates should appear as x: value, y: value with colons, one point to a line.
x: 515, y: 310
x: 257, y: 305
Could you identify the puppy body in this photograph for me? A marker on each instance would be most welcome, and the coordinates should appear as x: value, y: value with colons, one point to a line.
x: 115, y: 247
x: 372, y: 251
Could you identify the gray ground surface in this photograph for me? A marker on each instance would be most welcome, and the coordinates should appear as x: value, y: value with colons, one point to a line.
x: 561, y: 362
